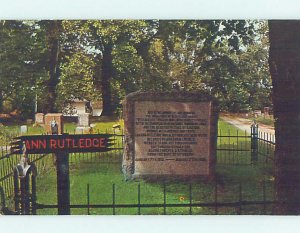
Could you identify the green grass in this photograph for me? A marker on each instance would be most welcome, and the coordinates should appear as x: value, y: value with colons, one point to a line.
x: 101, y: 171
x: 239, y: 141
x: 101, y: 177
x: 265, y: 121
x: 225, y: 128
x: 7, y: 132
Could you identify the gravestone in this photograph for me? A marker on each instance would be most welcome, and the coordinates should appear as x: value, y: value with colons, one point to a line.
x: 40, y: 118
x: 29, y: 121
x: 83, y: 119
x: 83, y: 130
x: 266, y: 111
x: 97, y: 107
x: 83, y: 123
x: 169, y: 134
x: 23, y: 129
x: 58, y: 118
x: 257, y: 113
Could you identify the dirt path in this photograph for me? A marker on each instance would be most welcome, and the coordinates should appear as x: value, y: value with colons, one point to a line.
x: 245, y: 124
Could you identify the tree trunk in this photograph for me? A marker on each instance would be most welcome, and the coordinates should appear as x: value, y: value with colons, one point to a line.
x: 97, y: 73
x: 1, y: 102
x: 284, y: 62
x: 107, y: 73
x: 143, y: 51
x: 53, y: 32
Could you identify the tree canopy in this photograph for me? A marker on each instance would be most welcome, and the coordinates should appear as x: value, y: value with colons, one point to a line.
x: 54, y: 62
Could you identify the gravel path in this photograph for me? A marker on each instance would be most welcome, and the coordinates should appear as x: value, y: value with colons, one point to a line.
x: 245, y: 124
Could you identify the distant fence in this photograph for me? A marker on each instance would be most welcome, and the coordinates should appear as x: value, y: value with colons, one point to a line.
x: 112, y: 156
x: 236, y: 148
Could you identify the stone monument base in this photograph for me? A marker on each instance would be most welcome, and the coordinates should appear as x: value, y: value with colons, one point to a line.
x: 83, y: 129
x: 169, y: 134
x: 58, y: 117
x: 171, y: 178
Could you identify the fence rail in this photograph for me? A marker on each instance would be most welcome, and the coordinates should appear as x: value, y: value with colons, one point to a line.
x: 265, y: 205
x: 232, y: 149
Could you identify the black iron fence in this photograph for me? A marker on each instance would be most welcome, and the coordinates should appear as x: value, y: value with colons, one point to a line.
x: 245, y: 149
x: 8, y: 162
x: 216, y: 203
x: 232, y: 149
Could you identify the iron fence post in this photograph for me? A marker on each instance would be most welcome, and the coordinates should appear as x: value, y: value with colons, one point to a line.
x: 23, y: 194
x: 33, y: 189
x: 165, y: 199
x: 216, y: 197
x: 88, y: 198
x: 191, y: 198
x: 264, y: 195
x: 114, y: 198
x: 27, y: 194
x: 240, y: 199
x: 63, y: 183
x: 2, y: 196
x: 16, y: 191
x: 254, y: 142
x: 139, y: 199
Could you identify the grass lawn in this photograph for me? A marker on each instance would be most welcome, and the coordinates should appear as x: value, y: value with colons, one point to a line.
x: 12, y: 130
x: 265, y: 121
x: 102, y: 171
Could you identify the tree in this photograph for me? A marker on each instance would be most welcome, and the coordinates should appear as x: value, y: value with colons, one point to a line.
x: 52, y: 30
x: 102, y: 38
x: 284, y: 62
x: 105, y: 36
x: 19, y: 70
x: 122, y: 56
x: 76, y: 81
x: 229, y: 62
x: 149, y: 55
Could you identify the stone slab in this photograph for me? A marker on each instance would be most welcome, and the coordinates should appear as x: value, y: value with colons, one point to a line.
x: 23, y: 129
x: 40, y: 118
x: 169, y: 134
x: 83, y: 130
x: 58, y: 117
x: 83, y: 119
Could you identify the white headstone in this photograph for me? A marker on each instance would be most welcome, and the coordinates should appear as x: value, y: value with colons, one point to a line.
x: 23, y: 129
x: 83, y: 119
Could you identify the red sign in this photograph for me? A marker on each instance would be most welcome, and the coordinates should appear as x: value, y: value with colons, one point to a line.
x: 42, y: 144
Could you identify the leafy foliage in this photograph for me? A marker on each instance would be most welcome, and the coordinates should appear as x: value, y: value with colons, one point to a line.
x: 76, y: 81
x: 59, y: 61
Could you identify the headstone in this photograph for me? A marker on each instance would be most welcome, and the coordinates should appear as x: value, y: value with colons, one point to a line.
x: 83, y: 123
x: 257, y: 113
x: 40, y: 118
x: 83, y: 130
x: 266, y: 111
x: 169, y: 134
x: 83, y: 119
x: 23, y: 129
x: 116, y: 128
x: 49, y: 122
x: 97, y: 107
x: 29, y: 121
